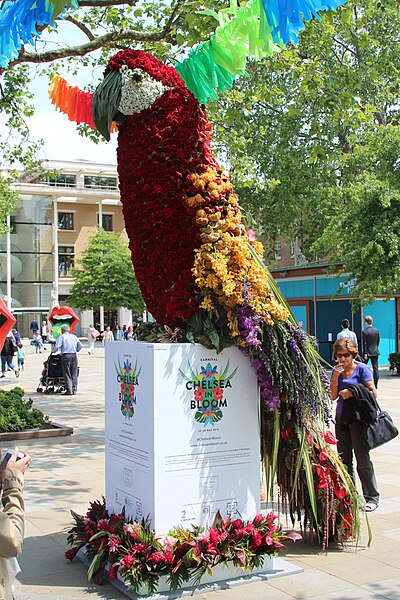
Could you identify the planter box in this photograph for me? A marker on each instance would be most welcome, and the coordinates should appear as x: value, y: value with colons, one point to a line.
x: 56, y: 430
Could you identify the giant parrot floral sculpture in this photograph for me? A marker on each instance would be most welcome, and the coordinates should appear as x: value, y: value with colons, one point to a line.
x: 200, y: 272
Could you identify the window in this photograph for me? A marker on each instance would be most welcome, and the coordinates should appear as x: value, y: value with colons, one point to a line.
x: 107, y: 222
x: 278, y: 250
x: 65, y: 220
x: 66, y: 260
x: 105, y: 183
x: 58, y: 180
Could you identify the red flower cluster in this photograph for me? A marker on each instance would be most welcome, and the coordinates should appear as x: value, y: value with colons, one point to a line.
x: 158, y: 148
x: 329, y: 483
x: 134, y: 551
x: 285, y: 433
x: 218, y: 393
x: 259, y: 537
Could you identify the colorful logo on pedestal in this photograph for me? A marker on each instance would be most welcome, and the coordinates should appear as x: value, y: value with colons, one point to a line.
x: 128, y: 378
x: 208, y: 387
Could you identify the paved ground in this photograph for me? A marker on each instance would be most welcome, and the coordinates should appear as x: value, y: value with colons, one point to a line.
x: 69, y: 473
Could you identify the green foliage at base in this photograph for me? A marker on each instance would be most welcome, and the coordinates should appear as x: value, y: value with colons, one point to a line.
x: 17, y: 414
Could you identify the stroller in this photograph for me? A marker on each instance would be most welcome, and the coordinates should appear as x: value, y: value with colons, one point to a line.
x: 51, y: 381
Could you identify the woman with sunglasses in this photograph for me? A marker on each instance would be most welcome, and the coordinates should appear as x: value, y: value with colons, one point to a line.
x: 348, y: 372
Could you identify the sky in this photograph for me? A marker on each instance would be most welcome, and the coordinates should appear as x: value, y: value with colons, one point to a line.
x: 61, y: 139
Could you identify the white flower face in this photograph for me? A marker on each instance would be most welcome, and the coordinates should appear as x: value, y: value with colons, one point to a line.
x: 139, y: 90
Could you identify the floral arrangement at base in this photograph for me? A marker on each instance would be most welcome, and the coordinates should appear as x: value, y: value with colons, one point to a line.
x: 132, y: 550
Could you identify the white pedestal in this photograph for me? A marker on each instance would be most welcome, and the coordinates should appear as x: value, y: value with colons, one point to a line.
x: 182, y: 434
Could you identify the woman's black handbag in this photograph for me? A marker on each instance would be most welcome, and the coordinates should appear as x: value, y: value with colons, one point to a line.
x: 380, y: 431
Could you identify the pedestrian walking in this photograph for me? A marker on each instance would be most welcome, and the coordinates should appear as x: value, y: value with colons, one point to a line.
x: 108, y: 335
x: 370, y: 347
x: 21, y: 356
x: 51, y: 339
x: 129, y: 334
x: 12, y: 518
x: 34, y: 327
x: 7, y: 353
x: 69, y: 345
x: 346, y: 333
x: 118, y: 334
x: 92, y: 336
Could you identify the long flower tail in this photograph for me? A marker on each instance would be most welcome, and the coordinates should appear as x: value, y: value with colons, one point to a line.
x: 240, y: 304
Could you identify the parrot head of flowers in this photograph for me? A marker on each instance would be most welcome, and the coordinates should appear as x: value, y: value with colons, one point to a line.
x: 133, y: 81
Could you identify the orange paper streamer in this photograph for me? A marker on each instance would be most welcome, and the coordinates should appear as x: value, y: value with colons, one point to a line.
x: 74, y: 102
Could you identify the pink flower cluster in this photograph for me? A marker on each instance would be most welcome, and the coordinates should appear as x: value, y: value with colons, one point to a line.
x: 135, y: 553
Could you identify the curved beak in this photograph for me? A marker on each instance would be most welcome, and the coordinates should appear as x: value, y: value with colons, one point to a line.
x: 105, y: 102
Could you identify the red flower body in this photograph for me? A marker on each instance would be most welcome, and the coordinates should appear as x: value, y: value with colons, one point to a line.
x: 157, y: 149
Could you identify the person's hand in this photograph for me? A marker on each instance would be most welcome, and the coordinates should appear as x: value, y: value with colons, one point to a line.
x: 338, y: 369
x: 345, y: 394
x: 365, y: 356
x: 22, y: 464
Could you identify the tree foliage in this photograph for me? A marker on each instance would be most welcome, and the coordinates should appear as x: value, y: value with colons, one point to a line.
x: 364, y: 229
x: 8, y: 198
x: 286, y: 130
x: 106, y: 277
x: 299, y: 134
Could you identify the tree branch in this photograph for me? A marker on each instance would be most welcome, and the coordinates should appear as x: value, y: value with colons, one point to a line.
x: 108, y: 39
x: 345, y: 46
x: 169, y: 23
x: 264, y: 104
x: 80, y: 26
x: 335, y: 54
x: 102, y: 3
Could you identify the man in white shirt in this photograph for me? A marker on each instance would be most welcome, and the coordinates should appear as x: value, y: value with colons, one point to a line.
x: 68, y: 345
x: 346, y: 333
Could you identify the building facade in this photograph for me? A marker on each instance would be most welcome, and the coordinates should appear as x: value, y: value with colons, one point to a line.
x: 56, y: 214
x: 320, y: 301
x: 49, y: 229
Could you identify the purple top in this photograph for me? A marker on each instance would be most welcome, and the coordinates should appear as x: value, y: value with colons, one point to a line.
x: 361, y: 374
